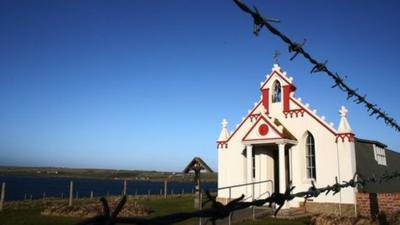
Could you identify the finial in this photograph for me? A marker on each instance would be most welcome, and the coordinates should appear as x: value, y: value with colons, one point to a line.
x: 344, y: 126
x: 224, y: 123
x: 343, y: 111
x: 224, y: 135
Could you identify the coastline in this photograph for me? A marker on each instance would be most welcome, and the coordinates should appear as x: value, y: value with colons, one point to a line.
x: 103, y: 174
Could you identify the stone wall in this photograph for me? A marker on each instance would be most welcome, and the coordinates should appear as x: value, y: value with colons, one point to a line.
x: 370, y: 204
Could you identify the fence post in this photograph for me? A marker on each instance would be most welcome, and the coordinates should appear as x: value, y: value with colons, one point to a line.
x: 254, y: 213
x: 3, y: 195
x: 165, y: 187
x: 124, y: 187
x: 71, y: 192
x: 201, y: 205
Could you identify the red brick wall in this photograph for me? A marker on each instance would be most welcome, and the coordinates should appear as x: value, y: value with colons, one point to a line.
x: 388, y: 203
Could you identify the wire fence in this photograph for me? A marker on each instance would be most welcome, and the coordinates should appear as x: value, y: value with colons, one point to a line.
x: 298, y: 49
x: 218, y: 211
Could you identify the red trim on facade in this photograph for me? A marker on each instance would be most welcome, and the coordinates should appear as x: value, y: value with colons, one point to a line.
x: 265, y: 100
x: 264, y: 139
x: 263, y: 129
x: 295, y: 112
x: 225, y: 143
x: 287, y: 89
x: 343, y: 136
x: 270, y: 124
x: 316, y: 118
x: 254, y: 116
x: 281, y: 76
x: 222, y: 144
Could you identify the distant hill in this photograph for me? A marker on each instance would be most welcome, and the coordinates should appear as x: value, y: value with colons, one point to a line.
x: 101, y: 173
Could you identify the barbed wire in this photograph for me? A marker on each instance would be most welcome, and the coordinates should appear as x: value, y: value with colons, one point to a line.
x: 297, y: 48
x: 218, y: 211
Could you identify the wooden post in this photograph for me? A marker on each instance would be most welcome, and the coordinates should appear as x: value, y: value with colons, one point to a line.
x: 165, y: 187
x: 197, y: 201
x: 124, y: 192
x: 3, y: 195
x: 71, y: 193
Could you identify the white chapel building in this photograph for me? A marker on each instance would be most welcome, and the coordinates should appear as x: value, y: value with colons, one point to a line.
x: 282, y: 141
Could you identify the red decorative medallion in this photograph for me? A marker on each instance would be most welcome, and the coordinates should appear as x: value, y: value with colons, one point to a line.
x: 263, y: 129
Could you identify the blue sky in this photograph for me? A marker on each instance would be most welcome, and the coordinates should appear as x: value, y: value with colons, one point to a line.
x: 145, y: 84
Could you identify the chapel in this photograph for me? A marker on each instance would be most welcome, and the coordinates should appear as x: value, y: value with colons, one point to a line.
x: 282, y: 141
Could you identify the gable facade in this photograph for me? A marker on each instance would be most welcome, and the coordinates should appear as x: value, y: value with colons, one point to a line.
x: 282, y: 141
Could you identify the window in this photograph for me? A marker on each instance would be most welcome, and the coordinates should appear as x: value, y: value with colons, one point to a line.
x: 380, y: 156
x: 276, y: 94
x: 310, y: 157
x: 254, y: 165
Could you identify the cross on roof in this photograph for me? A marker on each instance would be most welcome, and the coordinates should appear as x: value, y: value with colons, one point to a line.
x: 224, y: 123
x: 275, y: 56
x: 343, y: 111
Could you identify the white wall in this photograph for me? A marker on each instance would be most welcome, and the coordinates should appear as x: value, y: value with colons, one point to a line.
x: 329, y: 155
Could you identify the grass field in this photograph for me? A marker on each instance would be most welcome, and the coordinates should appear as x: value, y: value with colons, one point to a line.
x: 29, y: 213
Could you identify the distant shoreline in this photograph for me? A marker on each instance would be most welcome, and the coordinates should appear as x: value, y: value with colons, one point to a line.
x: 107, y: 174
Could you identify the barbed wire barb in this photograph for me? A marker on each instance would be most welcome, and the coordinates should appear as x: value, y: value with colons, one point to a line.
x: 218, y: 211
x: 298, y: 49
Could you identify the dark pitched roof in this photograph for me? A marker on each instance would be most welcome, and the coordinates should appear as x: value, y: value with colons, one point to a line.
x: 367, y: 166
x: 380, y: 144
x: 200, y: 162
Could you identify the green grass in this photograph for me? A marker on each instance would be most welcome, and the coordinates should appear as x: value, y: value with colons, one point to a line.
x: 32, y: 217
x: 27, y: 213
